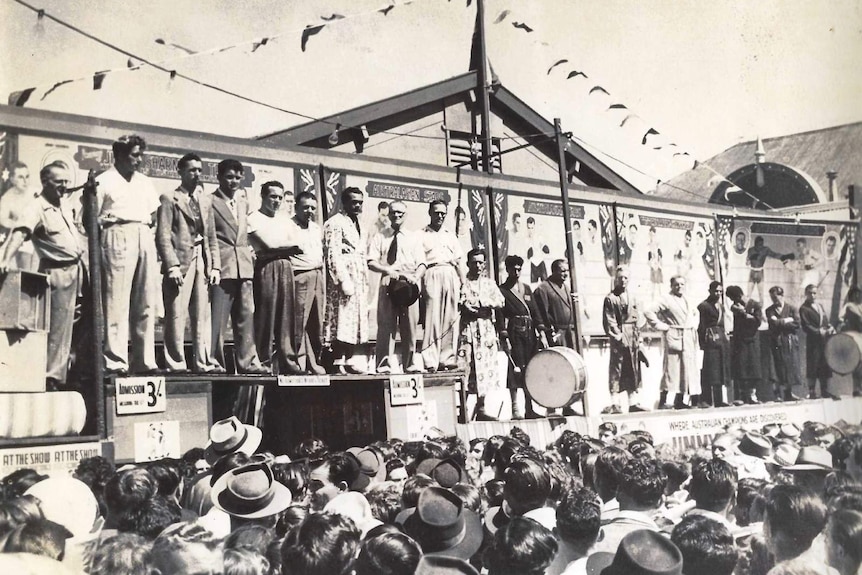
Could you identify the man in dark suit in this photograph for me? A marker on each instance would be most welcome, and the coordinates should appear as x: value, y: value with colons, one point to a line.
x: 187, y: 246
x: 713, y: 341
x: 783, y: 321
x: 234, y: 294
x: 518, y: 334
x: 744, y: 345
x: 815, y: 324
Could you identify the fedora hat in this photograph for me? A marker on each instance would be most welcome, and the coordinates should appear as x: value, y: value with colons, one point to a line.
x: 359, y: 479
x: 789, y: 431
x: 448, y: 473
x: 426, y: 466
x: 371, y: 463
x: 442, y: 565
x: 402, y: 293
x: 756, y: 445
x: 785, y: 454
x: 441, y: 525
x: 812, y: 458
x: 645, y: 552
x: 250, y: 492
x: 229, y: 436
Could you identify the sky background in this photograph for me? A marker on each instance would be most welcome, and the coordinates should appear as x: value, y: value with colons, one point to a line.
x: 706, y: 75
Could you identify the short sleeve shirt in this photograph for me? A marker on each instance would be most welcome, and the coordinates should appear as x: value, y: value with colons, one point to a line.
x: 52, y: 231
x: 122, y: 201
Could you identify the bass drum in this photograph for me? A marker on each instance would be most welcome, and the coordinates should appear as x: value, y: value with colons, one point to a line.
x: 844, y: 352
x: 556, y: 376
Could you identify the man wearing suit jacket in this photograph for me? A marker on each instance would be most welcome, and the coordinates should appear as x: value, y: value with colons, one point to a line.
x: 744, y: 345
x: 187, y: 246
x: 783, y: 320
x: 714, y: 342
x: 815, y: 324
x: 234, y: 294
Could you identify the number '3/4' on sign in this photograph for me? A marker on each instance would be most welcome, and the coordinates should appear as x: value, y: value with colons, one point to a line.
x: 407, y: 389
x: 140, y: 395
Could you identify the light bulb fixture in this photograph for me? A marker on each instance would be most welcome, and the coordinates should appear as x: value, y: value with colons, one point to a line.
x: 334, y: 137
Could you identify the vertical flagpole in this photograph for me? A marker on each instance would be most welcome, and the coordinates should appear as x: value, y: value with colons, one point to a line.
x: 482, y: 88
x: 567, y: 222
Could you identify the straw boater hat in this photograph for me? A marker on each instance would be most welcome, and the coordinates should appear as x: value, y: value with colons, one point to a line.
x: 250, y: 492
x: 812, y: 458
x: 441, y: 525
x: 230, y: 436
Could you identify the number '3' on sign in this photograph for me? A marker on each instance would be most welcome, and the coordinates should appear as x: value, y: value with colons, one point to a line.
x: 140, y: 395
x: 406, y: 389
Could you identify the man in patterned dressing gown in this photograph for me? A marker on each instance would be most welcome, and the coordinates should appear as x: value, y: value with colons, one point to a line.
x: 478, y: 350
x: 347, y: 286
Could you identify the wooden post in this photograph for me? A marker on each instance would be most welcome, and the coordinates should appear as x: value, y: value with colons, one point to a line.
x: 854, y: 194
x: 567, y: 222
x: 94, y: 244
x: 482, y: 81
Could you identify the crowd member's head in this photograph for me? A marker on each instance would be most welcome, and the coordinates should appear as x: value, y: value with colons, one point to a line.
x: 312, y: 449
x: 294, y: 476
x: 746, y: 491
x: 713, y: 485
x: 186, y: 549
x: 677, y: 473
x: 42, y: 537
x: 607, y: 432
x: 337, y: 473
x: 252, y: 537
x: 168, y: 476
x: 494, y: 492
x: 391, y: 553
x: 441, y: 525
x: 579, y: 518
x: 838, y: 482
x: 127, y: 491
x: 396, y: 470
x: 194, y: 462
x: 606, y: 470
x: 853, y: 461
x: 706, y: 545
x: 150, y: 518
x: 528, y: 486
x: 413, y: 488
x: 323, y: 544
x: 385, y: 500
x: 812, y: 466
x: 126, y: 553
x: 230, y: 174
x: 95, y: 472
x: 19, y: 481
x: 290, y: 518
x: 228, y: 463
x: 471, y: 496
x: 794, y: 517
x: 844, y: 541
x: 522, y: 547
x: 245, y: 562
x: 641, y: 485
x: 18, y: 511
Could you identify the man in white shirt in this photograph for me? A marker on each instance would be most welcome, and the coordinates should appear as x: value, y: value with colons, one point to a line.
x: 126, y: 203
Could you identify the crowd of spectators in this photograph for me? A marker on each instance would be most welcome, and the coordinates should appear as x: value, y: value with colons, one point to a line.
x: 779, y: 500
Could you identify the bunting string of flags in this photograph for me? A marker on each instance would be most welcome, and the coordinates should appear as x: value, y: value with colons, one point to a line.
x: 21, y: 97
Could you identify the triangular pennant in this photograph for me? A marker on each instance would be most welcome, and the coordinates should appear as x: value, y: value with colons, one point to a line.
x: 308, y: 33
x: 332, y: 17
x: 54, y: 87
x: 98, y: 78
x: 557, y: 63
x: 20, y: 98
x: 387, y: 9
x: 575, y: 74
x: 650, y: 132
x: 617, y: 107
x: 501, y: 16
x: 599, y: 89
x: 256, y: 45
x: 522, y: 26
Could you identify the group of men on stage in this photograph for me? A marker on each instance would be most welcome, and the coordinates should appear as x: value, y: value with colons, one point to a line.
x: 292, y: 289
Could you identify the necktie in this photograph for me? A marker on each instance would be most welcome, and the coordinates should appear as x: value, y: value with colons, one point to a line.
x: 392, y: 254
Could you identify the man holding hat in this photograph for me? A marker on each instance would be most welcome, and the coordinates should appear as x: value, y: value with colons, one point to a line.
x: 396, y: 254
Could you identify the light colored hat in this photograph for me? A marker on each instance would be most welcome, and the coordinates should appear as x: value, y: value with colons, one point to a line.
x: 67, y: 501
x: 230, y: 436
x: 356, y: 507
x: 812, y: 458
